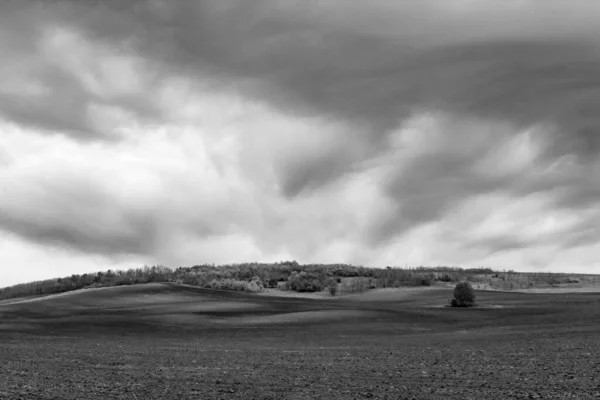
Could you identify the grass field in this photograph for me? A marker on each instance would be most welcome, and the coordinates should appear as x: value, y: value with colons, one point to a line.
x: 166, y: 341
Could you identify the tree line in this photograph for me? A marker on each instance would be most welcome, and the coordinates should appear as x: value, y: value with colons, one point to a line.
x: 285, y: 275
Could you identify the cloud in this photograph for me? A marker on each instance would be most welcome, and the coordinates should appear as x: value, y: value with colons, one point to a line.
x: 160, y: 189
x: 380, y: 133
x: 372, y: 67
x: 66, y: 193
x: 57, y: 80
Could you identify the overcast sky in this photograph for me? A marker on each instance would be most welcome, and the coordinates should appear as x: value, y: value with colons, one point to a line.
x: 425, y: 132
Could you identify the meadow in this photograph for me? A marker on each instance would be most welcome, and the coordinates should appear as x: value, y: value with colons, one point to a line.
x: 175, y: 341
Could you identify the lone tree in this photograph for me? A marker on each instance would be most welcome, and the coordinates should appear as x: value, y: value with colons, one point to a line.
x: 464, y: 295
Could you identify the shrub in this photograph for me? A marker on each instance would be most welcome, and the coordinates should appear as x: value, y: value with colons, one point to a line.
x: 304, y: 282
x: 231, y: 284
x: 332, y: 287
x: 464, y: 295
x: 421, y: 281
x: 253, y: 287
x: 123, y: 281
x: 258, y: 282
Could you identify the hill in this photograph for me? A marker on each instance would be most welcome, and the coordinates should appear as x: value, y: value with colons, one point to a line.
x: 289, y: 276
x: 170, y: 341
x: 153, y: 306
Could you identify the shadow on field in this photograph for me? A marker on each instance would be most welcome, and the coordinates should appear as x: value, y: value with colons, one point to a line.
x: 175, y: 308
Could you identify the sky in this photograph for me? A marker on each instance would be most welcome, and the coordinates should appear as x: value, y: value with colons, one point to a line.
x: 405, y: 133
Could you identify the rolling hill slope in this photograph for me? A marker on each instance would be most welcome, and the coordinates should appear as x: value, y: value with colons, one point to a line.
x: 166, y: 306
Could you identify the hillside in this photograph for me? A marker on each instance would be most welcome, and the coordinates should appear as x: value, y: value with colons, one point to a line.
x: 170, y: 341
x: 170, y: 305
x: 321, y: 279
x: 147, y: 307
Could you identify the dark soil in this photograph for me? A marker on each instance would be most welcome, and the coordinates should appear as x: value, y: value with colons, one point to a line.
x: 535, y: 346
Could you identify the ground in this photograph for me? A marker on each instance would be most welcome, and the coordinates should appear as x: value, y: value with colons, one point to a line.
x: 164, y: 341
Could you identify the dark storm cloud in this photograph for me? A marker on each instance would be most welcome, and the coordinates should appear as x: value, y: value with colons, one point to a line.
x: 367, y: 66
x: 288, y: 54
x: 85, y: 237
x: 305, y: 59
x: 37, y: 89
x: 76, y: 213
x: 523, y: 83
x: 428, y: 189
x: 587, y: 233
x: 62, y: 108
x: 87, y: 220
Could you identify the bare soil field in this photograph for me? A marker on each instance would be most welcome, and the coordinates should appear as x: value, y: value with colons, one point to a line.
x: 165, y: 341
